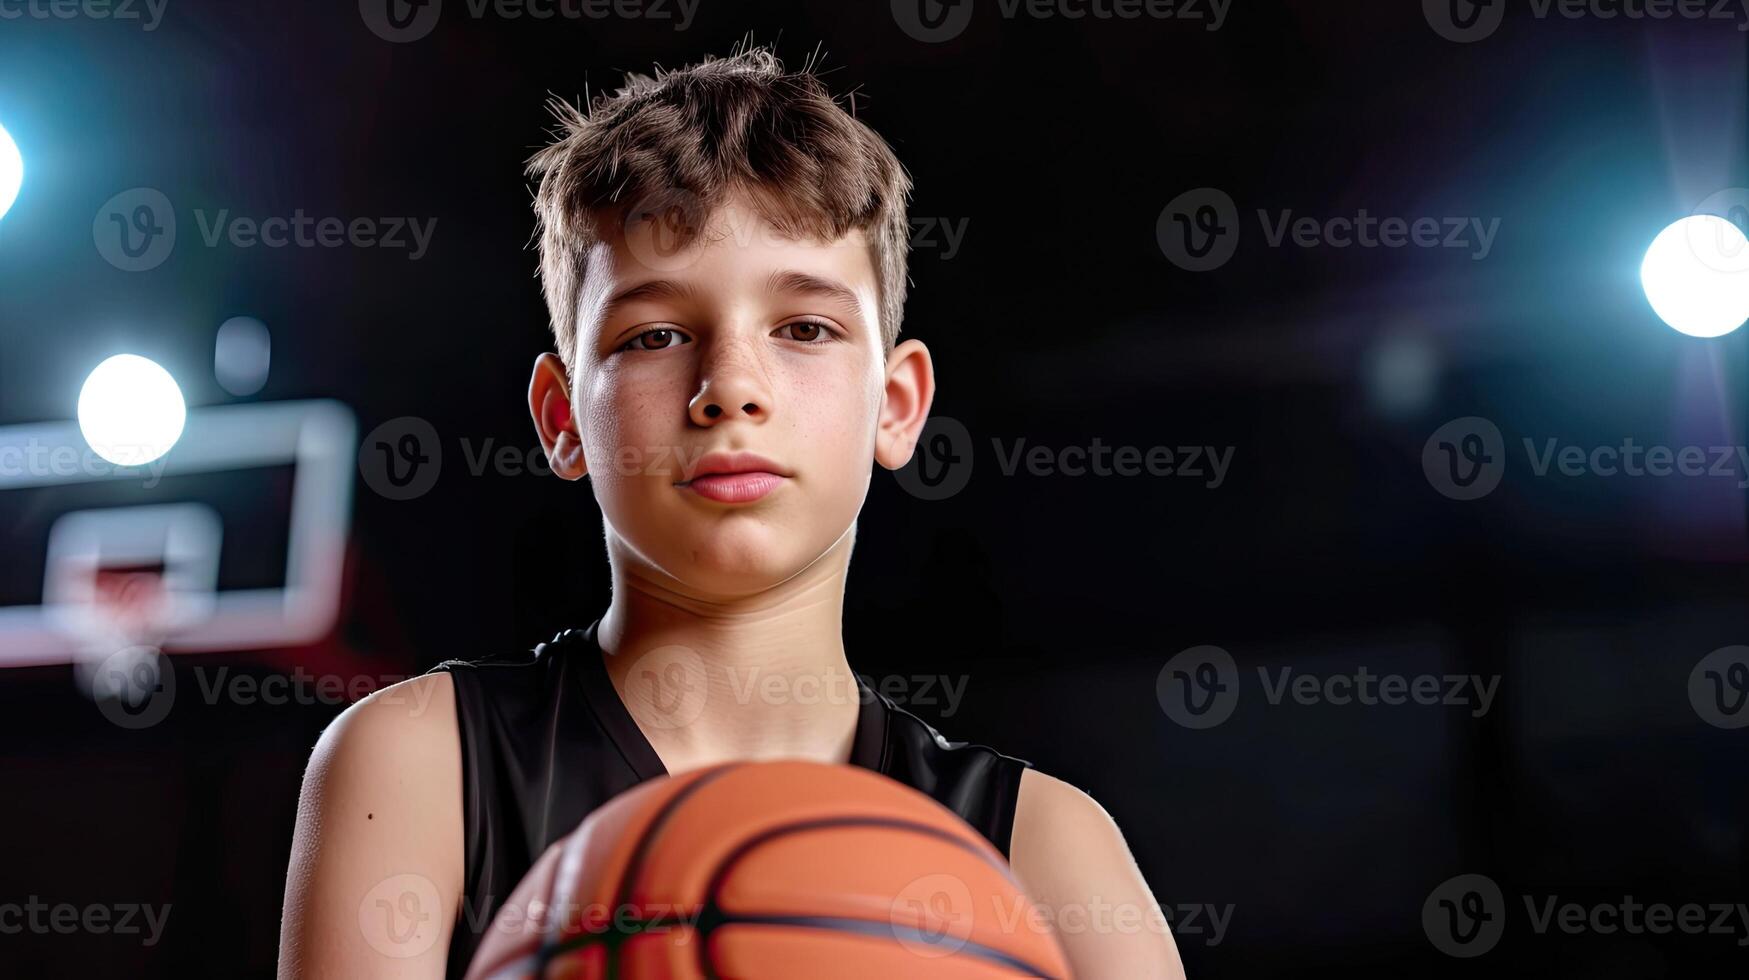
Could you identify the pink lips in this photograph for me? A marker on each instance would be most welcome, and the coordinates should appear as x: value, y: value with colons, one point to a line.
x: 734, y: 488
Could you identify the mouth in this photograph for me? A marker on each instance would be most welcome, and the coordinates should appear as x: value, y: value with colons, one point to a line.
x: 734, y: 488
x: 734, y: 477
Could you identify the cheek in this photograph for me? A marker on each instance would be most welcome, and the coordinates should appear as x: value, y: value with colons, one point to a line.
x: 628, y: 424
x: 835, y: 421
x: 833, y: 416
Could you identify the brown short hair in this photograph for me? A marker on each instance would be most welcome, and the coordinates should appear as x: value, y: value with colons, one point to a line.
x: 690, y: 137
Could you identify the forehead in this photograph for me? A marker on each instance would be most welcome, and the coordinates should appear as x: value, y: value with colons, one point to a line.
x: 737, y: 253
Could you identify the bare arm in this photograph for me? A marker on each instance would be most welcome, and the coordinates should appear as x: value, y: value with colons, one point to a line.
x: 1072, y: 859
x: 376, y: 864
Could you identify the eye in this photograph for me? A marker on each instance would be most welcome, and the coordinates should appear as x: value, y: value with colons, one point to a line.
x: 661, y: 338
x: 809, y: 332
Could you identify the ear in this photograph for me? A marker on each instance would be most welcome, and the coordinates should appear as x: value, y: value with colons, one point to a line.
x: 904, y: 410
x: 549, y: 402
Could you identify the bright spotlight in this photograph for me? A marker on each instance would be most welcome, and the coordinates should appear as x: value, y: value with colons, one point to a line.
x: 130, y: 410
x: 1696, y: 276
x: 11, y: 171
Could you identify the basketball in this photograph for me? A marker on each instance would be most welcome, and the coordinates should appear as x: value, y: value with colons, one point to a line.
x: 772, y: 870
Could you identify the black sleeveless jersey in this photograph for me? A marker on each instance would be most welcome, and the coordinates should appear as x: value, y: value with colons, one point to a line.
x: 545, y: 739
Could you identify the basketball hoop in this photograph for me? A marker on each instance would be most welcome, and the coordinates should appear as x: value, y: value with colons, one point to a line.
x: 121, y: 583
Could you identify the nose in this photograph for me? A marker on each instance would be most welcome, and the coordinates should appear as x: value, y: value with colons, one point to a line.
x: 733, y: 387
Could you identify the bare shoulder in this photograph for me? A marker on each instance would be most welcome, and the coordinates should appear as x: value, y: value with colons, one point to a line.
x: 383, y: 753
x: 1048, y: 802
x: 380, y: 812
x: 1073, y: 860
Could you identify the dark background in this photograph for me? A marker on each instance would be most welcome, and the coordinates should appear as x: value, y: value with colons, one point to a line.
x: 1060, y: 320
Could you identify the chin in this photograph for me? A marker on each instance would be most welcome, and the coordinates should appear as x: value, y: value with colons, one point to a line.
x: 734, y: 558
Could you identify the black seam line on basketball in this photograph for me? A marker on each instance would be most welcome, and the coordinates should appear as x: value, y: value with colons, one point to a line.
x: 550, y: 944
x: 712, y: 916
x: 870, y: 927
x: 636, y: 863
x: 713, y: 899
x: 534, y: 963
x: 833, y: 823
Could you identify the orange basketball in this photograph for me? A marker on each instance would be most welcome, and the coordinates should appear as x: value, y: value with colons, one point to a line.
x: 772, y: 870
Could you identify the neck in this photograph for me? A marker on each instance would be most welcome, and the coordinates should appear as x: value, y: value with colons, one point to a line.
x: 711, y: 680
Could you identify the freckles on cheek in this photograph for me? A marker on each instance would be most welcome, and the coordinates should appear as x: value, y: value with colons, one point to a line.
x: 633, y: 422
x: 836, y: 414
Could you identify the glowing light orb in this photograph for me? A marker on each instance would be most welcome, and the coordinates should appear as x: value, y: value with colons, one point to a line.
x: 130, y: 410
x: 11, y: 171
x: 1696, y: 276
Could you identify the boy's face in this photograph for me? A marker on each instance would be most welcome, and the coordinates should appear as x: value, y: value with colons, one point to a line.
x: 743, y: 341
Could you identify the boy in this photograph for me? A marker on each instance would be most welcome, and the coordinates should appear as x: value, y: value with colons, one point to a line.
x: 723, y: 255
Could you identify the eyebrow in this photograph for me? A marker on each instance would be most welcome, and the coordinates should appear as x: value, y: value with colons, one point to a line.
x: 654, y: 289
x: 789, y: 281
x: 782, y: 281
